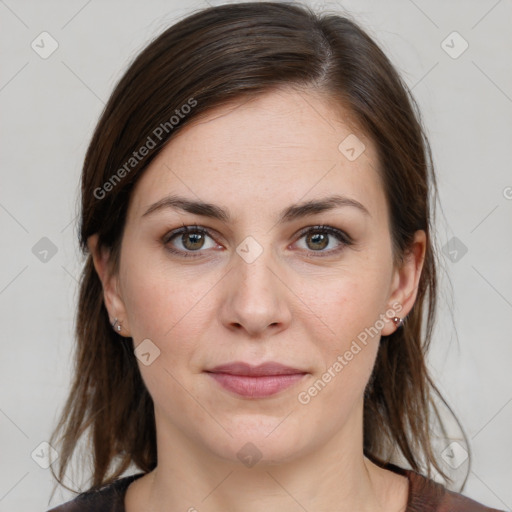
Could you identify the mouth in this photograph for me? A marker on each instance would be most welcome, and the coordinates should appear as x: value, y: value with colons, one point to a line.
x: 259, y: 381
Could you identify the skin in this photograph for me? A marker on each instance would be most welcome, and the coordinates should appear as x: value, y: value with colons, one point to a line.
x: 290, y: 305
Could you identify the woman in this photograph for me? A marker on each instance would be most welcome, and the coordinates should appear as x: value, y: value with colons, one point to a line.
x: 256, y: 214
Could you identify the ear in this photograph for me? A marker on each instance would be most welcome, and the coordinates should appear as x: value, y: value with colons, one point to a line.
x: 110, y: 283
x: 404, y: 287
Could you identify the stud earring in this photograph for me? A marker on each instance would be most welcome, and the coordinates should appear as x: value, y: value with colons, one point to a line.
x: 398, y: 322
x: 116, y: 325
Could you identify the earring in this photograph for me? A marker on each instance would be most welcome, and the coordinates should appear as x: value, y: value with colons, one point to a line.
x: 398, y: 322
x: 118, y: 326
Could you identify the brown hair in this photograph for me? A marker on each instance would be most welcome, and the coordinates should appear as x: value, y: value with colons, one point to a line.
x: 206, y: 60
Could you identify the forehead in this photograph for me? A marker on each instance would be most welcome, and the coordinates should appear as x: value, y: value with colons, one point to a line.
x: 276, y: 148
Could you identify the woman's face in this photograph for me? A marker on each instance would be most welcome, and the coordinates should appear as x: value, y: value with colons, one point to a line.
x: 258, y: 281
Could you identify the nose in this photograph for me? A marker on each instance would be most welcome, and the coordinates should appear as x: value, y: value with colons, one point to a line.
x: 256, y: 298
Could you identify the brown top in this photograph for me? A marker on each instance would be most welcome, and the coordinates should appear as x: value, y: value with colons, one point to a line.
x: 425, y: 495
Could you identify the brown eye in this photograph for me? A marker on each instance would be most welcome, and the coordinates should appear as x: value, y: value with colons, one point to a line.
x: 317, y: 241
x: 192, y: 241
x: 187, y: 240
x: 318, y: 238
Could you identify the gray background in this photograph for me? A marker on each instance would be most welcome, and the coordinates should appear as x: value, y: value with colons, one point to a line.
x: 49, y: 107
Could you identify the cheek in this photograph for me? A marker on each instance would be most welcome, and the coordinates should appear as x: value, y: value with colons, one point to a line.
x: 168, y: 308
x: 172, y: 308
x: 347, y: 330
x: 158, y: 298
x: 348, y: 356
x: 344, y: 305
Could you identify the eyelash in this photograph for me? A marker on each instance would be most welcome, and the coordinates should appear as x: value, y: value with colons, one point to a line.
x: 338, y: 234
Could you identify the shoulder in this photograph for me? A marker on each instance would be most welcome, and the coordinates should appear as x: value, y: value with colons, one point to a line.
x: 108, y: 498
x: 426, y: 495
x: 454, y: 502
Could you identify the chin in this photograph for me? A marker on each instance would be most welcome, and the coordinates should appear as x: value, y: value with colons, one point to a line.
x: 262, y: 440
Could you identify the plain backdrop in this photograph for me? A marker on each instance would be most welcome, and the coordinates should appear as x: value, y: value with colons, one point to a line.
x: 49, y: 107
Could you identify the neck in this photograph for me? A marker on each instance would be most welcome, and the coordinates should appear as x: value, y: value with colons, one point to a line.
x: 334, y: 476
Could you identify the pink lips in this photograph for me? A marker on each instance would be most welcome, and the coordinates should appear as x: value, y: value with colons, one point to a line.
x: 255, y: 381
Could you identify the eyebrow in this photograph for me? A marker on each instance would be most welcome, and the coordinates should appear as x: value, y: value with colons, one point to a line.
x: 293, y: 212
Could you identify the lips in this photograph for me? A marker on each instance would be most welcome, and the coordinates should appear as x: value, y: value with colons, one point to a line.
x: 246, y: 369
x: 259, y: 381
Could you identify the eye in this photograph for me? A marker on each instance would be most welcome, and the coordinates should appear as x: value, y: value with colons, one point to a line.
x: 317, y: 238
x: 190, y: 238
